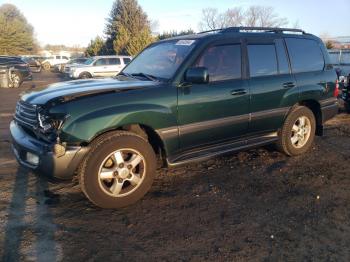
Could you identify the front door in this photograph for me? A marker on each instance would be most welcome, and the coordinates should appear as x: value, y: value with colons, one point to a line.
x: 100, y: 67
x: 273, y: 89
x: 218, y: 110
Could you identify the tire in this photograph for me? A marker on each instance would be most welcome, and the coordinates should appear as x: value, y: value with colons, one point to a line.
x: 85, y: 75
x: 292, y: 131
x: 101, y: 192
x: 16, y: 79
x: 46, y: 66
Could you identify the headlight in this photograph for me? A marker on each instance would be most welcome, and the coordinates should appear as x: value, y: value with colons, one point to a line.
x: 50, y: 123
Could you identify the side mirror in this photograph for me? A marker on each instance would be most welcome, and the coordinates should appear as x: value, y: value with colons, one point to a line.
x: 197, y: 75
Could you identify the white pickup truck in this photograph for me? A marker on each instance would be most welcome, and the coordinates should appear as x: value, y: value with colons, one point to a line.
x: 54, y: 60
x: 99, y: 66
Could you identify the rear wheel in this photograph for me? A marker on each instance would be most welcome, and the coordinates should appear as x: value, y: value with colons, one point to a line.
x: 298, y: 131
x: 118, y: 171
x: 46, y: 66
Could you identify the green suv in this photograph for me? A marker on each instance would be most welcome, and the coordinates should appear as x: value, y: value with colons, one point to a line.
x: 180, y: 100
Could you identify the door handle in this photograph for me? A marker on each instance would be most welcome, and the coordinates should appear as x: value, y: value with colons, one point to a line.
x: 288, y: 84
x: 238, y: 92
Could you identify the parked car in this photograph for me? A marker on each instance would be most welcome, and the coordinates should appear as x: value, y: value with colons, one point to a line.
x: 180, y: 100
x: 99, y: 66
x: 19, y: 69
x: 341, y: 62
x: 34, y: 65
x: 65, y: 68
x: 54, y: 60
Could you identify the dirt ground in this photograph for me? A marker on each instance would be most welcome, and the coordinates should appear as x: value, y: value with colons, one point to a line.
x: 257, y: 205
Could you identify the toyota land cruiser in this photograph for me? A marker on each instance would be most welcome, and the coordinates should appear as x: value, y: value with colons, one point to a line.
x: 180, y: 100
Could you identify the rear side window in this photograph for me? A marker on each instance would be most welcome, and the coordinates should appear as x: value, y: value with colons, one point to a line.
x: 283, y: 64
x: 305, y: 55
x: 262, y: 60
x: 223, y: 62
x: 126, y: 61
x: 58, y: 57
x: 64, y: 57
x: 114, y: 61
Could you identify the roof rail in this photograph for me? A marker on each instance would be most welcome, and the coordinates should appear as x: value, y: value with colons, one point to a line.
x: 264, y: 29
x: 276, y: 30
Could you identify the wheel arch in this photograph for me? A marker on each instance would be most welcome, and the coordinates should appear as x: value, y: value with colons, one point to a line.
x: 315, y: 107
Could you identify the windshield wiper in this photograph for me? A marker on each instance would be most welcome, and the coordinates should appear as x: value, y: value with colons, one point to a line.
x: 147, y: 76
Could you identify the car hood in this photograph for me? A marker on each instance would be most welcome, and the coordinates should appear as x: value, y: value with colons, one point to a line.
x: 79, y: 88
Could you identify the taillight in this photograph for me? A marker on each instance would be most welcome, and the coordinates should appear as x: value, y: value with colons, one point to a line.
x: 336, y: 89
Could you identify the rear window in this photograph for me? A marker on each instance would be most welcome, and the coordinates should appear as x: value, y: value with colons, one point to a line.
x: 262, y: 60
x: 305, y: 55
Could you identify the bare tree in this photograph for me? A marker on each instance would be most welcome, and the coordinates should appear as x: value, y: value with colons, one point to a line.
x: 234, y: 17
x: 253, y: 16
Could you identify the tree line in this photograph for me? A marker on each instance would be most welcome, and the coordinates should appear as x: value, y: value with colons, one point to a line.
x: 128, y: 28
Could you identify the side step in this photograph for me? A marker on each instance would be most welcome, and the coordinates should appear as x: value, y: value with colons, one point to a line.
x: 208, y: 152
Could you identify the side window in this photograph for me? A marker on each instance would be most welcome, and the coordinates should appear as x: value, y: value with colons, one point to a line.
x: 283, y: 65
x: 114, y: 61
x: 305, y: 55
x: 126, y: 61
x: 58, y: 57
x: 64, y: 57
x: 101, y: 62
x: 223, y: 62
x: 262, y: 60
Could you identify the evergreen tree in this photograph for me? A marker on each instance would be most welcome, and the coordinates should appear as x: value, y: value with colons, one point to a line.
x: 128, y: 28
x: 16, y: 34
x: 95, y: 47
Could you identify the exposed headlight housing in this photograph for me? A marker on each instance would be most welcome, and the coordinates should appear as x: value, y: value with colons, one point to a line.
x: 50, y: 123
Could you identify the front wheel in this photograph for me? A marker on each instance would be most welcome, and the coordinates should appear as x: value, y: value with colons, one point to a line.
x: 46, y: 66
x: 118, y: 171
x: 298, y: 131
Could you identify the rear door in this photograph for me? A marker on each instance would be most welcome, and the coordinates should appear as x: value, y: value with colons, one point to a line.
x: 273, y: 88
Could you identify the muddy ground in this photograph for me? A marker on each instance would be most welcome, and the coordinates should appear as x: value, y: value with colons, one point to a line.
x: 258, y: 205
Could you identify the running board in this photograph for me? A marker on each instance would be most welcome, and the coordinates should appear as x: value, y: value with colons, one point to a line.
x: 208, y: 152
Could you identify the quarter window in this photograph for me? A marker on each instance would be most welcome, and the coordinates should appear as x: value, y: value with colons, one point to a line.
x: 262, y: 60
x: 223, y: 62
x: 305, y: 55
x: 126, y: 61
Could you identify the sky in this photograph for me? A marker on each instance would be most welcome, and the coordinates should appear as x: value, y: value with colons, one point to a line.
x: 76, y: 22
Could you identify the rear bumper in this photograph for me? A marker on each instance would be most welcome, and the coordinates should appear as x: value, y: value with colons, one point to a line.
x: 49, y: 164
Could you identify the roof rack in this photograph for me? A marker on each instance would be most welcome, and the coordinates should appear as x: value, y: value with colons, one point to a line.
x: 276, y: 30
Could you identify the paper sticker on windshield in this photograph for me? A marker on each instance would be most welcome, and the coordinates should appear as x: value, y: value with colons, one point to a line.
x: 185, y: 42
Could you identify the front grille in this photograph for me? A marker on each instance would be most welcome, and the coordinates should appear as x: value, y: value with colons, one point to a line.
x: 26, y: 114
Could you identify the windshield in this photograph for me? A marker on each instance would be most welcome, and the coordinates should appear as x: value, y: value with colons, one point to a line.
x: 89, y: 61
x: 345, y: 58
x: 161, y: 60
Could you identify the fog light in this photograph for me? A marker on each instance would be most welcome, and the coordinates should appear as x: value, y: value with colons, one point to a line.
x: 32, y: 158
